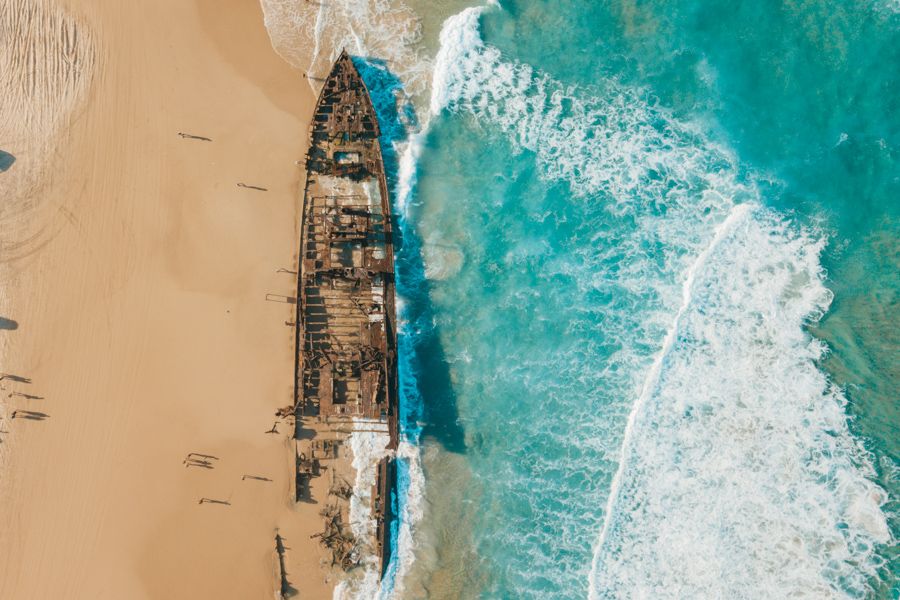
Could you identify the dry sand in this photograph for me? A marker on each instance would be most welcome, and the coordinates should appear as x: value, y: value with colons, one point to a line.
x: 142, y: 322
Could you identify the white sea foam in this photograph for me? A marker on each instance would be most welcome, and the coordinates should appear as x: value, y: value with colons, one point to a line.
x: 459, y: 37
x: 411, y: 513
x: 368, y: 447
x: 382, y: 29
x: 738, y: 476
x: 891, y: 5
x: 409, y: 152
x: 652, y: 381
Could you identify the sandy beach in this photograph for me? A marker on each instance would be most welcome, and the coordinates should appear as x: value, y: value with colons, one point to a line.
x: 143, y: 333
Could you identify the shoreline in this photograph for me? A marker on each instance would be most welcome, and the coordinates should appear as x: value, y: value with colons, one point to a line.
x: 143, y: 327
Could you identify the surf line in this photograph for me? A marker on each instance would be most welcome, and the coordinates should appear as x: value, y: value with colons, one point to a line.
x: 317, y: 36
x: 735, y: 216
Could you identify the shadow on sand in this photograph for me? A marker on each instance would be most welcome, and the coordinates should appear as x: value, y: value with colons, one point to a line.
x: 429, y: 384
x: 287, y: 590
x: 31, y: 415
x: 6, y: 161
x: 16, y: 378
x: 8, y: 324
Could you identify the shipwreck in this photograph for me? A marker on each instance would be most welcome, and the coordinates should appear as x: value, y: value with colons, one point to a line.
x: 346, y: 337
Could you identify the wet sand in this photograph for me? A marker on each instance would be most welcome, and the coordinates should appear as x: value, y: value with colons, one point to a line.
x: 142, y: 322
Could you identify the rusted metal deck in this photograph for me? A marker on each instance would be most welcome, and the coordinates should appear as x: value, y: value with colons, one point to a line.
x: 346, y: 367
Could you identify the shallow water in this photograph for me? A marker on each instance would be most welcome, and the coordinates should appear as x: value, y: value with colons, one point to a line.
x: 649, y: 277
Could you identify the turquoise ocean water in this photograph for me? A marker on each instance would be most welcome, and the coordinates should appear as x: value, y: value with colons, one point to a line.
x: 649, y: 285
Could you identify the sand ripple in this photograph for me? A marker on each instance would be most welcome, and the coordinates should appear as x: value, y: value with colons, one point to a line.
x: 47, y: 59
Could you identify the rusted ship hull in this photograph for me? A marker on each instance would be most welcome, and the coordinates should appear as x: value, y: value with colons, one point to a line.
x: 346, y: 369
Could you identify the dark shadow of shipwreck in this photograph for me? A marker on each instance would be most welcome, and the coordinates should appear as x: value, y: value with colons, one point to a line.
x: 427, y: 390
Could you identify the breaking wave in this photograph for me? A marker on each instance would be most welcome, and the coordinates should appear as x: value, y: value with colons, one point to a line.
x: 739, y: 477
x: 368, y: 447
